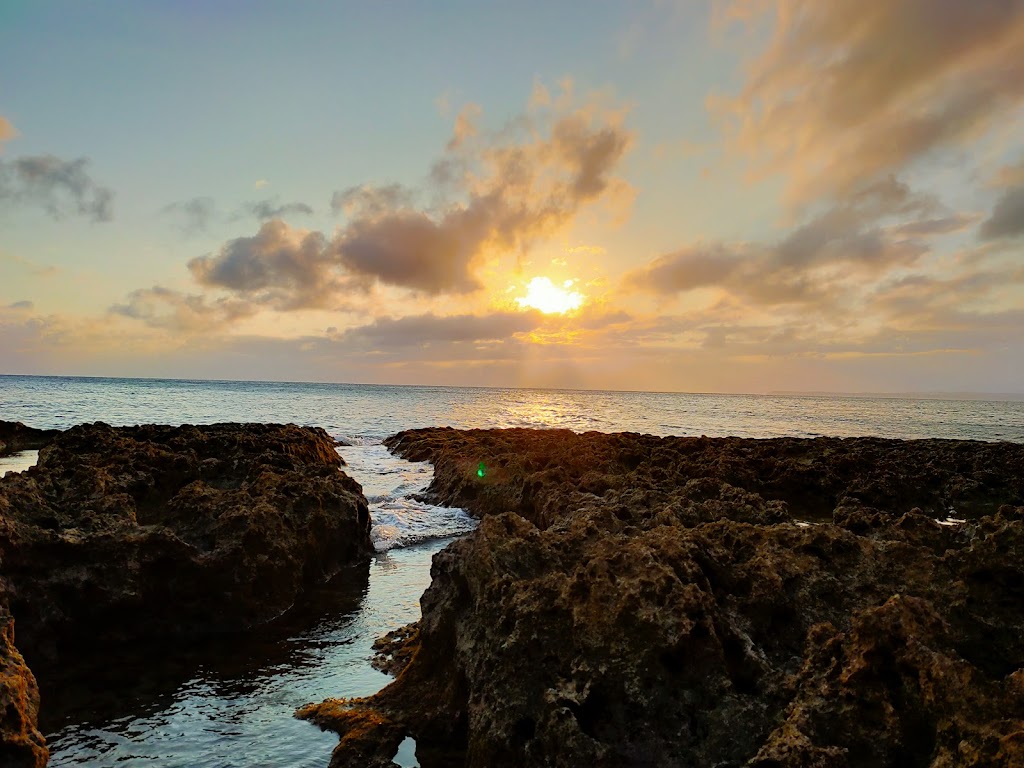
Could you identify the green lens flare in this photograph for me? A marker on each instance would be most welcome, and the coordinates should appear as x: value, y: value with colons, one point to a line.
x: 481, y: 471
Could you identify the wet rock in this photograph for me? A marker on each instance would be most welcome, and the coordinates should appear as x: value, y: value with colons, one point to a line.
x: 21, y: 743
x: 636, y: 601
x: 15, y: 436
x: 119, y: 534
x: 394, y: 651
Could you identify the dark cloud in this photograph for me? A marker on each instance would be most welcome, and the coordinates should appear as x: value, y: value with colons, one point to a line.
x: 60, y: 187
x: 843, y: 94
x: 504, y: 191
x: 160, y: 307
x: 1007, y: 219
x: 193, y: 215
x: 279, y: 266
x: 22, y: 305
x: 271, y: 209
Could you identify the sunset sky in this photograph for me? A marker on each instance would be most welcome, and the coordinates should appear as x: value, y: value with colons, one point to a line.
x: 697, y: 196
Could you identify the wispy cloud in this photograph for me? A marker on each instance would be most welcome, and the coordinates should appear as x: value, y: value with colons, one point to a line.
x: 61, y: 187
x: 160, y: 307
x: 271, y: 209
x: 814, y: 260
x: 427, y: 329
x: 193, y: 215
x: 849, y: 91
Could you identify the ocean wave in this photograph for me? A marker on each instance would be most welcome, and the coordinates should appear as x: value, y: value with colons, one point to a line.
x: 393, y: 488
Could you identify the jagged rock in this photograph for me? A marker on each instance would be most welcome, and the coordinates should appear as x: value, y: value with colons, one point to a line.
x: 15, y: 436
x: 893, y: 690
x: 21, y: 743
x: 119, y: 534
x: 635, y: 601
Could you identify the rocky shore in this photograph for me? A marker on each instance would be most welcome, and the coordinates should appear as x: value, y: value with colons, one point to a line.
x: 638, y: 601
x: 121, y: 535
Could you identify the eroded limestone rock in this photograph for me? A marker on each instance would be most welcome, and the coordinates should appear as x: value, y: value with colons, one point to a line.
x: 636, y: 601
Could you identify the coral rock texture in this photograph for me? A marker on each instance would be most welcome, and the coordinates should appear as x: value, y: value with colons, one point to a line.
x: 629, y: 600
x: 119, y: 534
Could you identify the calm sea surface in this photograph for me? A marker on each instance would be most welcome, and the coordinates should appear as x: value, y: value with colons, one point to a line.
x: 369, y: 413
x: 230, y: 703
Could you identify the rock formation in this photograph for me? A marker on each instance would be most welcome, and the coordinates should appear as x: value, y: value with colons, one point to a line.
x: 118, y: 534
x: 21, y: 743
x: 15, y: 436
x: 637, y: 601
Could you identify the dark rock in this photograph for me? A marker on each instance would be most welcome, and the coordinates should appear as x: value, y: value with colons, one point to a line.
x: 635, y: 601
x: 124, y: 533
x: 15, y: 436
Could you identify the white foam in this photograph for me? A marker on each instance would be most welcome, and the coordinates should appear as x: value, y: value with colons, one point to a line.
x: 391, y: 485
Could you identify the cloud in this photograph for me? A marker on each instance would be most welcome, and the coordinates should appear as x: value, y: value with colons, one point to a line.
x: 500, y: 192
x: 160, y: 307
x: 942, y: 225
x: 279, y: 266
x: 370, y: 200
x: 846, y: 92
x: 427, y: 329
x: 810, y: 263
x: 60, y: 187
x: 270, y: 209
x: 21, y: 305
x: 193, y: 215
x: 1007, y: 219
x: 7, y: 131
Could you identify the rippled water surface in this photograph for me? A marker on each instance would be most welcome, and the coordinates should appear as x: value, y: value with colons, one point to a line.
x: 368, y: 412
x: 230, y: 702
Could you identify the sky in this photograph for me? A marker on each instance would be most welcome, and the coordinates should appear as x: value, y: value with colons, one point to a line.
x: 698, y: 196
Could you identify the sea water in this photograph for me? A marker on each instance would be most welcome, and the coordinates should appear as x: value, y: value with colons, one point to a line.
x: 230, y: 703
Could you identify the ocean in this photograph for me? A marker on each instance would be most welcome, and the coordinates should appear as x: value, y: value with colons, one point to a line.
x: 231, y: 704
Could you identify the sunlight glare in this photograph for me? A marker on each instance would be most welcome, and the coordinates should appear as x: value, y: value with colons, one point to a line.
x: 544, y: 295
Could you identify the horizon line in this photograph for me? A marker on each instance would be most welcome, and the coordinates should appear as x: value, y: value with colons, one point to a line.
x: 895, y: 395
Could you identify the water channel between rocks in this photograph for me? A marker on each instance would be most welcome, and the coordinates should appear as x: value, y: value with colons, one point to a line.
x: 230, y: 701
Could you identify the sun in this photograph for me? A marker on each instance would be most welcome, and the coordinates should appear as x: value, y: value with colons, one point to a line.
x: 544, y: 295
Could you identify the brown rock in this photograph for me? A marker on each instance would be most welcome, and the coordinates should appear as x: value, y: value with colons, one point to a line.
x: 635, y: 601
x: 394, y: 651
x: 21, y: 743
x: 124, y: 533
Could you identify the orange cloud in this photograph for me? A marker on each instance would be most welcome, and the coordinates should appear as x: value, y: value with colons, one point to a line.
x: 491, y: 192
